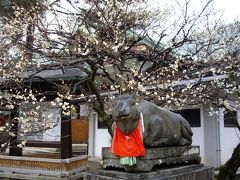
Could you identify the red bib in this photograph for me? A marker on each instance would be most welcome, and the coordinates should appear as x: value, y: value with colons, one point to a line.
x: 128, y: 145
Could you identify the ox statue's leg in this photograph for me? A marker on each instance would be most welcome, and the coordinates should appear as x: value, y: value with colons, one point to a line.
x: 186, y: 134
x: 161, y: 142
x: 184, y: 142
x: 152, y: 138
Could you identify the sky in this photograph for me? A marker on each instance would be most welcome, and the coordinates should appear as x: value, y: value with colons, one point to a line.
x: 230, y: 7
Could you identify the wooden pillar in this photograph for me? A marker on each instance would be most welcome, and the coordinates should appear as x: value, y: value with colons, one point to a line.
x: 14, y: 150
x: 66, y: 137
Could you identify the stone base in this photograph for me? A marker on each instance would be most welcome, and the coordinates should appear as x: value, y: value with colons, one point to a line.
x: 20, y: 176
x: 188, y: 172
x: 27, y: 167
x: 155, y: 157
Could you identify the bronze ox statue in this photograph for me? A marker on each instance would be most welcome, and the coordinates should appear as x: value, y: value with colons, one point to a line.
x: 161, y: 127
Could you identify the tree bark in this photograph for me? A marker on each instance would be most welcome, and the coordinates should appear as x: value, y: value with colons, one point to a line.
x: 30, y: 41
x: 229, y: 169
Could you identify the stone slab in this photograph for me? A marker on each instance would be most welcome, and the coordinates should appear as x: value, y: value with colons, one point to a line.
x: 154, y: 157
x: 187, y: 172
x: 161, y: 152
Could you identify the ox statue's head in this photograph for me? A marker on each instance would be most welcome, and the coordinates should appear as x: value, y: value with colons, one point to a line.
x: 126, y: 113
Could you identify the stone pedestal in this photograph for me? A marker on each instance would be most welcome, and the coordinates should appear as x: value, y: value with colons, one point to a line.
x: 155, y: 157
x: 186, y: 172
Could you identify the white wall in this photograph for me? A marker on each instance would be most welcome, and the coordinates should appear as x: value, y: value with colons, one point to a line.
x: 229, y: 138
x: 219, y: 140
x: 211, y: 137
x: 98, y: 138
x: 103, y: 139
x: 198, y: 132
x: 198, y: 139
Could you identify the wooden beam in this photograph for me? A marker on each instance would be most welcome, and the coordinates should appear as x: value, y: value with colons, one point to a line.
x: 48, y: 144
x: 66, y: 137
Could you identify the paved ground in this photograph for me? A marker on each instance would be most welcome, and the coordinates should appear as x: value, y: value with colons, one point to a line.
x: 94, y: 163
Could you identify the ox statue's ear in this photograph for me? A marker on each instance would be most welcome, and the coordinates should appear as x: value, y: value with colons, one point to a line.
x: 137, y: 98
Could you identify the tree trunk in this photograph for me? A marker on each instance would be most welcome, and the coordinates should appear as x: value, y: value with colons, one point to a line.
x: 109, y: 123
x: 229, y: 169
x: 30, y: 41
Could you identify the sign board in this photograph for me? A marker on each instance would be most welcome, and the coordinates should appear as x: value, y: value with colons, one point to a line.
x: 39, y: 122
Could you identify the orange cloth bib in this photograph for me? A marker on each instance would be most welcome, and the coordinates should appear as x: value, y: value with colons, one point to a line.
x: 128, y: 145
